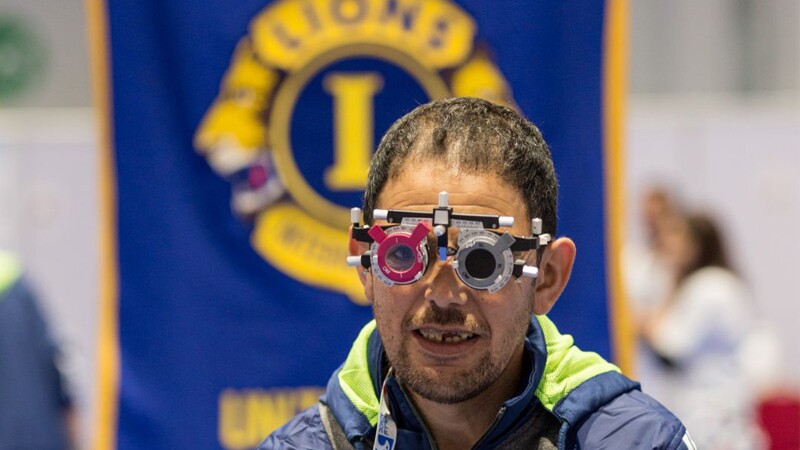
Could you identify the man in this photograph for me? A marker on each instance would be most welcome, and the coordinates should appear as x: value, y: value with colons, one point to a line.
x: 460, y: 354
x: 35, y: 410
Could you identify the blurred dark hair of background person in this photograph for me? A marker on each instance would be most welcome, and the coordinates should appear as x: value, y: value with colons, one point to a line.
x: 704, y: 246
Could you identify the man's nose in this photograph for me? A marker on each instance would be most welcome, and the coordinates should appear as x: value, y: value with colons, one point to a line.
x: 444, y: 288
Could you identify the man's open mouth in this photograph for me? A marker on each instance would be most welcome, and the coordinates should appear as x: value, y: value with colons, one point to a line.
x: 445, y: 336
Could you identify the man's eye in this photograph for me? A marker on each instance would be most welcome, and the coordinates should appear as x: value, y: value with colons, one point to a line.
x: 400, y: 258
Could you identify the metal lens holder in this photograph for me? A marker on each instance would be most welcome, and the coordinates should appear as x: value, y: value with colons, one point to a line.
x: 484, y: 259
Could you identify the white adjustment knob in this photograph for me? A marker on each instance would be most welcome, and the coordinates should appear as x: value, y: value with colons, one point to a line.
x: 505, y: 221
x: 354, y: 261
x: 536, y: 226
x: 443, y: 198
x: 440, y: 230
x: 530, y: 271
x: 355, y: 215
x: 544, y: 239
x: 380, y: 214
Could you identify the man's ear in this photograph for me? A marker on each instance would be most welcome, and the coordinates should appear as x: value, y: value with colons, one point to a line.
x: 357, y: 249
x: 555, y: 269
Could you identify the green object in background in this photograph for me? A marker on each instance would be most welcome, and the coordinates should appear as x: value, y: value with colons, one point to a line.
x: 21, y: 57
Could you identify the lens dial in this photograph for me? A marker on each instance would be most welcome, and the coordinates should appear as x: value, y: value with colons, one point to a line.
x: 484, y: 260
x: 400, y: 253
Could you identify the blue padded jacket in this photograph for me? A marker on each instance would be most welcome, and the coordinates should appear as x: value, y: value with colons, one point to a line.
x: 591, y: 404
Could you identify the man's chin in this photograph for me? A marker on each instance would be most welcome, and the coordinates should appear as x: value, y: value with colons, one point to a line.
x: 444, y: 392
x: 446, y: 385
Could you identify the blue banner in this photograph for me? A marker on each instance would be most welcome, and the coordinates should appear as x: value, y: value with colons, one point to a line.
x: 239, y: 137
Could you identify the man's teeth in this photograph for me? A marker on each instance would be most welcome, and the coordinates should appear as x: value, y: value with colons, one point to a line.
x: 445, y: 336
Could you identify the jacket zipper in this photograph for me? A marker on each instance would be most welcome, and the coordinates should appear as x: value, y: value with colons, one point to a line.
x: 491, y: 428
x: 419, y: 418
x: 424, y: 427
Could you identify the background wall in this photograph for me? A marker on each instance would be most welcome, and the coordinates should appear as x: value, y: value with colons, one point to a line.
x: 714, y: 114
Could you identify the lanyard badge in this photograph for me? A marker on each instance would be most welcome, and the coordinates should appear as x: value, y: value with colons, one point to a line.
x: 484, y: 260
x: 386, y: 431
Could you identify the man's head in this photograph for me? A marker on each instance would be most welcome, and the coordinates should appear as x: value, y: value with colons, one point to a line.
x: 448, y: 342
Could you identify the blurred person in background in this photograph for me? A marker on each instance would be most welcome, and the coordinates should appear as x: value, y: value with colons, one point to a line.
x: 647, y: 274
x: 36, y: 412
x: 698, y: 332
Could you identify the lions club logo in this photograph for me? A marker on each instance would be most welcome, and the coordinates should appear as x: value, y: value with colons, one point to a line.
x: 308, y: 91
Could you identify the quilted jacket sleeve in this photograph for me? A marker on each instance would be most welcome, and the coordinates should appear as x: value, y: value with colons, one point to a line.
x: 632, y: 421
x: 304, y: 432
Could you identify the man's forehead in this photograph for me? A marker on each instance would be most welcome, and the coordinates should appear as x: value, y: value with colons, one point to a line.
x: 417, y: 187
x: 426, y: 200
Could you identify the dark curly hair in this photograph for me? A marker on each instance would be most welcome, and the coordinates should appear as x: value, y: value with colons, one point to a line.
x: 474, y: 135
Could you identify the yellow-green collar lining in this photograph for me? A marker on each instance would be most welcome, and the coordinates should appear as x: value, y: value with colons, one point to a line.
x: 355, y: 379
x: 10, y: 270
x: 567, y: 366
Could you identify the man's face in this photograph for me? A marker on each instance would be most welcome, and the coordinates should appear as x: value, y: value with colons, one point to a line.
x: 446, y: 341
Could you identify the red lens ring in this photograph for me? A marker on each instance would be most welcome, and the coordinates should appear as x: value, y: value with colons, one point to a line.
x: 411, y: 240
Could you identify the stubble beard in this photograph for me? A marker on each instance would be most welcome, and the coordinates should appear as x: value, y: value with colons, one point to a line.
x: 446, y: 388
x: 451, y: 387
